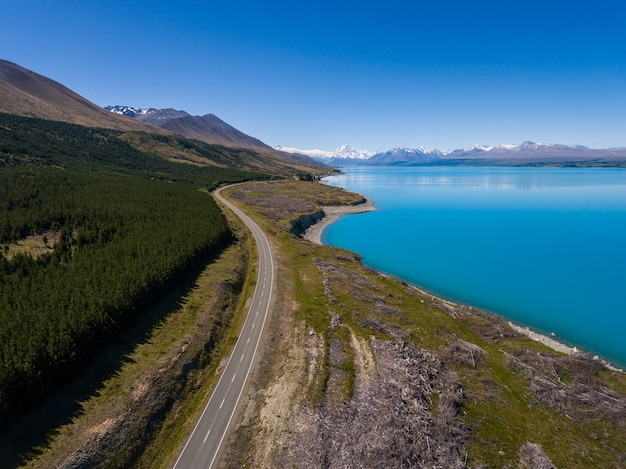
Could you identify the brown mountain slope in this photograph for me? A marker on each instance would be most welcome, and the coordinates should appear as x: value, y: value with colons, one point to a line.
x: 214, y: 131
x: 26, y: 93
x: 211, y: 129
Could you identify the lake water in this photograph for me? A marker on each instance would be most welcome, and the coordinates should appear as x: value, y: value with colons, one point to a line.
x: 545, y: 248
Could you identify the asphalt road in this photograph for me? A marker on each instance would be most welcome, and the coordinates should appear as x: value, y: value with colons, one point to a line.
x: 205, y: 440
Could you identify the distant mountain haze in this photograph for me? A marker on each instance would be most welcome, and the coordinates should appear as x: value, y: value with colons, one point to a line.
x: 526, y: 153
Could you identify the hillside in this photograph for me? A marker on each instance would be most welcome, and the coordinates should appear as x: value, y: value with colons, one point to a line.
x: 26, y: 93
x: 211, y: 130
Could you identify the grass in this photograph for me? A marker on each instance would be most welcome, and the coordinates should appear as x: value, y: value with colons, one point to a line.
x: 35, y: 245
x: 501, y: 411
x: 347, y: 365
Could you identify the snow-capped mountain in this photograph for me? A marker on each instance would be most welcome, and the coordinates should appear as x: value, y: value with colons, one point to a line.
x: 525, y: 153
x: 148, y: 115
x: 406, y: 156
x: 346, y: 151
x: 208, y: 128
x: 525, y: 149
x: 319, y: 154
x: 345, y: 154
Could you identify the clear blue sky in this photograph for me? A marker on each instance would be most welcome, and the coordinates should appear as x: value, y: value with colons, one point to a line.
x: 438, y: 74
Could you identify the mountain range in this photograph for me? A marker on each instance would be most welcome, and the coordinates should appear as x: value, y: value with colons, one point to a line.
x: 26, y: 93
x: 208, y: 128
x: 29, y: 94
x: 525, y: 153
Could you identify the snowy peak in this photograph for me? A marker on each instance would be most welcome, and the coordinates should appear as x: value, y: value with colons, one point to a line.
x: 527, y: 152
x: 346, y: 151
x: 149, y: 115
x: 406, y: 156
x: 319, y: 154
x: 126, y: 110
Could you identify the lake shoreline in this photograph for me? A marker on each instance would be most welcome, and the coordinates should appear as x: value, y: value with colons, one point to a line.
x: 331, y: 215
x: 334, y: 213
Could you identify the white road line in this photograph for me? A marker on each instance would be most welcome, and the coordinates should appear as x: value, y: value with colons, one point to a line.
x: 264, y: 254
x: 233, y: 377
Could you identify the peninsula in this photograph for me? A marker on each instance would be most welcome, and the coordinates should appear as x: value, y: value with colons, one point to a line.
x: 331, y: 215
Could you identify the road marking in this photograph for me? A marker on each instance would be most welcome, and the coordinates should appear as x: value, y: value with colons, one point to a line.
x: 267, y: 285
x: 248, y: 341
x: 234, y: 376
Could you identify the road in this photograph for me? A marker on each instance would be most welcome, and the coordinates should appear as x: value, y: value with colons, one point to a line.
x: 205, y: 440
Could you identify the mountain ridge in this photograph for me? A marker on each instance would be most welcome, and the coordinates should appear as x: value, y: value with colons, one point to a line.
x: 29, y: 94
x: 149, y: 115
x: 208, y: 129
x: 527, y: 152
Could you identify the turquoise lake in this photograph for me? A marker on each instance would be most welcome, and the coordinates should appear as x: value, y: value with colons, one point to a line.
x: 545, y: 248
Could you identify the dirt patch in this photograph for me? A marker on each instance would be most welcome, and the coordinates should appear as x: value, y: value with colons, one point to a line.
x: 35, y: 245
x: 389, y: 422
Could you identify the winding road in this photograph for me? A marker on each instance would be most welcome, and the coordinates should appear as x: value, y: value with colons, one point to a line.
x: 201, y: 449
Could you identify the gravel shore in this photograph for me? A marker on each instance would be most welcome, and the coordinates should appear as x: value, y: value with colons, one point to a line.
x: 331, y: 215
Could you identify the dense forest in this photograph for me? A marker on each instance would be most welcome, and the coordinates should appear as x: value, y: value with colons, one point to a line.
x: 120, y: 226
x: 38, y: 142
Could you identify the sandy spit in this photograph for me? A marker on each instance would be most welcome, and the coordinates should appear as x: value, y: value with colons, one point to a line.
x: 331, y: 215
x: 556, y: 345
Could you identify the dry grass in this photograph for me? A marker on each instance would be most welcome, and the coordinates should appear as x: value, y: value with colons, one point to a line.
x: 35, y: 245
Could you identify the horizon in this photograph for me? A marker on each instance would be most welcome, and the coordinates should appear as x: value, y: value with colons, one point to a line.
x: 317, y: 152
x: 317, y: 76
